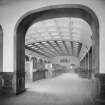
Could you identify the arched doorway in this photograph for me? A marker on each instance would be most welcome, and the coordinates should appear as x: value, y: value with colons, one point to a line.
x: 31, y: 17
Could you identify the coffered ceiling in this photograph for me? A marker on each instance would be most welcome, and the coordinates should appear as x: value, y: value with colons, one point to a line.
x: 66, y: 36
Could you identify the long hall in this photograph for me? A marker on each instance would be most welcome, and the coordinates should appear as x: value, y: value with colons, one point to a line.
x: 52, y: 52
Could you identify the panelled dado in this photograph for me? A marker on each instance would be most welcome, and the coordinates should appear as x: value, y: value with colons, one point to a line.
x: 6, y: 82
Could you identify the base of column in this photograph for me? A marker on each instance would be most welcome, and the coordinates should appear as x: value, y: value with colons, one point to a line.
x: 6, y: 83
x: 101, y: 78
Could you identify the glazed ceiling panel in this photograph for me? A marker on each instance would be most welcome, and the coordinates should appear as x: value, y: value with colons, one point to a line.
x: 57, y: 28
x: 59, y: 36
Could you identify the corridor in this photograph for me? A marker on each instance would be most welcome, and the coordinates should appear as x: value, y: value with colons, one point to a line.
x: 66, y: 89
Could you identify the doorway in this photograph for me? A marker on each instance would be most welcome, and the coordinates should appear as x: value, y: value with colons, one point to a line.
x: 77, y: 11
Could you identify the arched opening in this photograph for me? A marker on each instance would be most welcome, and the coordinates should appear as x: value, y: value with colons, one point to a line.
x: 77, y: 11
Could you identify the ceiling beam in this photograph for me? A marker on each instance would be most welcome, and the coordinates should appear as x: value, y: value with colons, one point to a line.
x: 71, y: 42
x: 42, y: 49
x: 79, y: 49
x: 75, y: 48
x: 53, y: 47
x: 33, y: 50
x: 59, y: 46
x: 66, y: 48
x: 48, y: 48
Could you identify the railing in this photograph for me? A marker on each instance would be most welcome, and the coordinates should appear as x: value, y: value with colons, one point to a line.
x: 38, y: 75
x: 84, y: 73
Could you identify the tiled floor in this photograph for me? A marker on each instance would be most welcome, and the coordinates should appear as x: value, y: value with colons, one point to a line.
x: 66, y: 89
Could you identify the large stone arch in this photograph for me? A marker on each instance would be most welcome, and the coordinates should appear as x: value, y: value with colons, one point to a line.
x: 68, y: 10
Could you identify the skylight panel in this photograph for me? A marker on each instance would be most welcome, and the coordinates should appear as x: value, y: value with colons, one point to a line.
x: 41, y: 30
x: 54, y: 33
x: 62, y: 21
x: 45, y: 34
x: 53, y: 29
x: 38, y: 25
x: 49, y: 22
